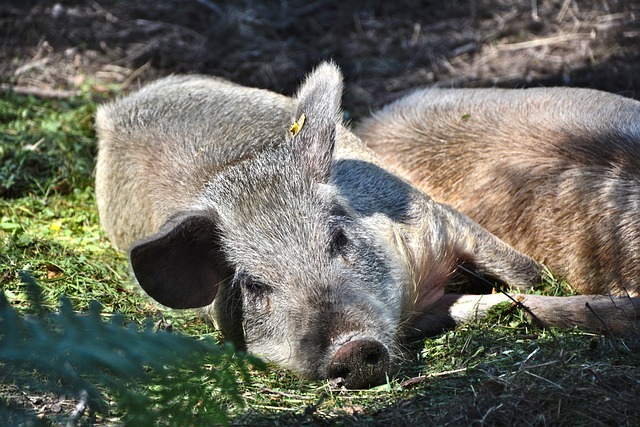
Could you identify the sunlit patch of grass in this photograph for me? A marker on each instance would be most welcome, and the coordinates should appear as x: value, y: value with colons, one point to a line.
x: 45, y: 145
x: 58, y: 240
x: 49, y: 224
x: 553, y: 285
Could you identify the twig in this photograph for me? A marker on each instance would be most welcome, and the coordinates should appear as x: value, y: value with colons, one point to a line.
x: 483, y: 419
x: 309, y: 410
x: 533, y: 353
x: 39, y: 92
x: 534, y: 11
x: 543, y: 379
x: 283, y: 394
x: 212, y: 7
x: 633, y: 304
x: 421, y: 378
x: 34, y: 63
x: 80, y: 408
x: 107, y: 15
x: 606, y: 327
x: 135, y: 74
x: 6, y: 375
x: 542, y: 42
x: 563, y: 10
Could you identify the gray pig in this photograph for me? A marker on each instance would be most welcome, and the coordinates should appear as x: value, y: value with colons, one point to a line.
x: 554, y: 172
x: 295, y: 240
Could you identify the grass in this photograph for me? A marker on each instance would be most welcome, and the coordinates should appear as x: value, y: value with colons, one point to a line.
x: 47, y: 145
x: 501, y: 371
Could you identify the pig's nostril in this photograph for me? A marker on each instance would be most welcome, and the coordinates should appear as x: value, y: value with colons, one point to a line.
x: 372, y: 357
x: 359, y: 364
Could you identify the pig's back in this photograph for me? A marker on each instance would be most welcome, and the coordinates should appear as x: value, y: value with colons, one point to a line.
x: 554, y: 172
x: 159, y: 147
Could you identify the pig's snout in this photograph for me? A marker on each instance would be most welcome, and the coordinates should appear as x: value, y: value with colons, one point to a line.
x: 359, y: 364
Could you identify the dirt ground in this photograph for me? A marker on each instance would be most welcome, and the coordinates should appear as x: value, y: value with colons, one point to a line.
x: 384, y: 47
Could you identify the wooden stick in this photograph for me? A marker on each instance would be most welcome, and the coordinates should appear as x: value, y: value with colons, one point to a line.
x: 39, y: 92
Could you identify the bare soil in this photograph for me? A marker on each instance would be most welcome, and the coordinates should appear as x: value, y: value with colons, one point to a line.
x: 384, y: 47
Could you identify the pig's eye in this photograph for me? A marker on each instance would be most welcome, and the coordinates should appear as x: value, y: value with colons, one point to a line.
x: 339, y: 242
x: 253, y: 287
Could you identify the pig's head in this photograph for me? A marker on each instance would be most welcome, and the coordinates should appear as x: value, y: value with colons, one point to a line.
x: 300, y: 270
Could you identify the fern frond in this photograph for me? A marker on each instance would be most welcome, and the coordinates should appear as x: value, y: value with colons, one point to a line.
x: 152, y: 377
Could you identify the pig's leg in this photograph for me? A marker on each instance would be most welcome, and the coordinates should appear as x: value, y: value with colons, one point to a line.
x: 594, y: 313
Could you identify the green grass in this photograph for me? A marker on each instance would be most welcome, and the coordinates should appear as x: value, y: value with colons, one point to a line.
x: 499, y: 371
x: 145, y: 376
x: 47, y: 145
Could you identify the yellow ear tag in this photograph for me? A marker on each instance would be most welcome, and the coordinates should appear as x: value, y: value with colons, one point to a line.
x: 297, y: 126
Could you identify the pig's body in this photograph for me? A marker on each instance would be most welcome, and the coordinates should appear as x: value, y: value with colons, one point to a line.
x: 302, y: 246
x: 554, y: 172
x: 160, y: 146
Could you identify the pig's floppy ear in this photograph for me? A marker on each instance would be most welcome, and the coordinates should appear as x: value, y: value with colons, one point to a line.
x: 318, y: 116
x: 182, y: 264
x: 486, y: 254
x: 444, y: 241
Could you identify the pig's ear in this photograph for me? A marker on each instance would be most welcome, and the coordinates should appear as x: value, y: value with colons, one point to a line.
x: 317, y: 119
x: 182, y: 264
x: 481, y: 256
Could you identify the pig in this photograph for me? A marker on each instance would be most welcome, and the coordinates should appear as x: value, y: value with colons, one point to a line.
x: 269, y: 216
x: 553, y: 172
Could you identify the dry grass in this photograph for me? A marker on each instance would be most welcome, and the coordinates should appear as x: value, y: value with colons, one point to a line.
x: 385, y: 48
